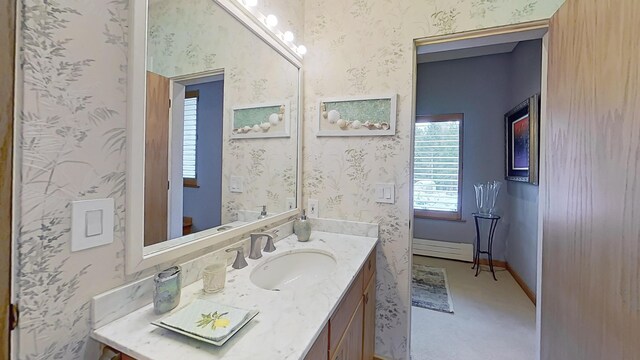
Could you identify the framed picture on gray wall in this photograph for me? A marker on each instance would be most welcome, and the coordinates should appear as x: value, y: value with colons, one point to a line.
x: 522, y: 141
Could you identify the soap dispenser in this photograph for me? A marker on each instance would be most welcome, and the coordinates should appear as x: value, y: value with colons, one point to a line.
x: 302, y: 227
x: 263, y: 214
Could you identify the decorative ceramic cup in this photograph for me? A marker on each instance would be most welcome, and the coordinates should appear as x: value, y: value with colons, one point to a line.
x: 214, y: 277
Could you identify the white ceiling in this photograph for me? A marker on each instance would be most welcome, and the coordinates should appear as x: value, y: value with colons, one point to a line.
x: 488, y: 45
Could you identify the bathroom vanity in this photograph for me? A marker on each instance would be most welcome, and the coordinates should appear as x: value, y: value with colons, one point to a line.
x: 329, y: 314
x: 316, y: 299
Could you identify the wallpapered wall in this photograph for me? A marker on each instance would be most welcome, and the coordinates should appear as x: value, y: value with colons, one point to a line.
x: 70, y: 146
x: 196, y: 36
x: 359, y: 47
x: 71, y: 139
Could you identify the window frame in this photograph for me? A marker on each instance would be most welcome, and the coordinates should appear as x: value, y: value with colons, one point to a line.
x: 437, y: 214
x: 193, y: 182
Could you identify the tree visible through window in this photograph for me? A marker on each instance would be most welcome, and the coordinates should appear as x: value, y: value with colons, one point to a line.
x: 437, y: 178
x: 190, y: 137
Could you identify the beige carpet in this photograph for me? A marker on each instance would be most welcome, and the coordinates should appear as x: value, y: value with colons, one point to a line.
x: 493, y: 319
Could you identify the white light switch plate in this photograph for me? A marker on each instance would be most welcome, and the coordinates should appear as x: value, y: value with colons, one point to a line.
x: 91, y: 223
x: 312, y: 208
x: 236, y: 184
x: 386, y: 193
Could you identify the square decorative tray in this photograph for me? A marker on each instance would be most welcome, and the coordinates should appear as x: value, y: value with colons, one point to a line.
x: 195, y: 319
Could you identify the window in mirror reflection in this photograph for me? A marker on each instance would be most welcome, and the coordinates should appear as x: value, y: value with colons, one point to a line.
x: 190, y: 136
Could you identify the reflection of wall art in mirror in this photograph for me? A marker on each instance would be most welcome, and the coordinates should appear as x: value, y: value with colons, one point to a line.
x: 261, y: 121
x: 360, y: 116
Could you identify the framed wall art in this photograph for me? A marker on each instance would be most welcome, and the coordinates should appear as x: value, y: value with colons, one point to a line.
x: 261, y: 121
x: 358, y: 116
x: 522, y: 141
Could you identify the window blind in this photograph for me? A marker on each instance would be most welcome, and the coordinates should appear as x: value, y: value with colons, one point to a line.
x: 190, y: 138
x: 437, y: 166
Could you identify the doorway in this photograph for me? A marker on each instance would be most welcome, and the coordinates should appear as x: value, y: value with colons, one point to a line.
x: 464, y: 86
x: 196, y: 154
x: 183, y: 143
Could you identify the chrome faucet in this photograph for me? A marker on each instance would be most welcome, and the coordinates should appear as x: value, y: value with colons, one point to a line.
x: 239, y: 262
x: 255, y: 252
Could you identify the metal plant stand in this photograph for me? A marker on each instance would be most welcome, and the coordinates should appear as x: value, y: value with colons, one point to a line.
x: 492, y: 229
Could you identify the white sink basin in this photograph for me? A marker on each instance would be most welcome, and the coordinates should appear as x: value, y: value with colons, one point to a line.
x: 293, y: 269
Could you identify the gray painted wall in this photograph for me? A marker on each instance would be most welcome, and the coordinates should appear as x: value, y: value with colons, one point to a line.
x: 477, y: 87
x: 523, y: 198
x: 204, y: 204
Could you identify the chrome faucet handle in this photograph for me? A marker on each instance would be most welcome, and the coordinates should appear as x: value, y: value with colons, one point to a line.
x: 239, y: 262
x: 269, y: 247
x: 254, y: 251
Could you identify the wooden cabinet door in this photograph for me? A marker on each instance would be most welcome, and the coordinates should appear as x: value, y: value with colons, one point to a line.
x: 369, y: 321
x: 320, y: 349
x: 156, y: 172
x: 590, y: 191
x: 350, y: 347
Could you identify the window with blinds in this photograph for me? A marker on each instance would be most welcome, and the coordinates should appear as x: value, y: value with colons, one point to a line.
x: 190, y: 137
x: 437, y: 178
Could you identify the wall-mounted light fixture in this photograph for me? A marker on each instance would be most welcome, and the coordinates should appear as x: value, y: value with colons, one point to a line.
x: 271, y: 21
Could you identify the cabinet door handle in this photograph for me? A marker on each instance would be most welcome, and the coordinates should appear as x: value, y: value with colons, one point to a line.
x: 366, y: 298
x: 369, y: 264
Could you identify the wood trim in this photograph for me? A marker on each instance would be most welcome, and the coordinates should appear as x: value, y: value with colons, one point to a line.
x: 438, y: 215
x: 445, y: 215
x: 522, y: 284
x: 496, y: 263
x: 191, y: 94
x: 7, y: 96
x: 190, y: 183
x: 473, y: 34
x: 440, y: 117
x: 379, y: 357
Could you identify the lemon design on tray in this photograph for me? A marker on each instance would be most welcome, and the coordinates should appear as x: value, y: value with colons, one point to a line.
x: 216, y: 320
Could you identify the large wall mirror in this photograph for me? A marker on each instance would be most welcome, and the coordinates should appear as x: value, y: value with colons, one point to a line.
x: 214, y: 128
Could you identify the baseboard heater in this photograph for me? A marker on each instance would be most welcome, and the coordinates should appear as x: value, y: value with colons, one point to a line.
x: 443, y: 249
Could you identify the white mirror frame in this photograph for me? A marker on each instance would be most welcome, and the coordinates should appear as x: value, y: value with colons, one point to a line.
x: 135, y: 258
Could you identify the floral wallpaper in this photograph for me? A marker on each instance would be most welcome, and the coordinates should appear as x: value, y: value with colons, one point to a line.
x: 199, y: 35
x: 359, y: 48
x: 71, y: 145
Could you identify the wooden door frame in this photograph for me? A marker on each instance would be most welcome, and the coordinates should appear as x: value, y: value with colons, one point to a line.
x: 7, y: 100
x: 470, y: 36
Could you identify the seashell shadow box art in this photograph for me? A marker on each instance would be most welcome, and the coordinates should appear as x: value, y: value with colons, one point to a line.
x: 261, y: 121
x: 361, y: 116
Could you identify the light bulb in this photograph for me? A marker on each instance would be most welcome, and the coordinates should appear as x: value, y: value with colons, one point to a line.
x: 302, y: 50
x: 251, y: 3
x: 288, y: 36
x: 272, y: 20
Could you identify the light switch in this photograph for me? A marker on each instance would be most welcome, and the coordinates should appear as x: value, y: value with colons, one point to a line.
x: 91, y: 223
x: 385, y: 193
x: 236, y: 184
x: 291, y: 203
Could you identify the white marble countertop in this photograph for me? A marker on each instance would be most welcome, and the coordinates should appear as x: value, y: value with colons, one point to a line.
x: 288, y: 323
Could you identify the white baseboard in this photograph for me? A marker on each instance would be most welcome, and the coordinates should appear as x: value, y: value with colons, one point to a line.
x: 443, y: 249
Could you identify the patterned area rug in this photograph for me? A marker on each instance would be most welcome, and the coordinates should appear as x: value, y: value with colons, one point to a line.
x: 430, y: 289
